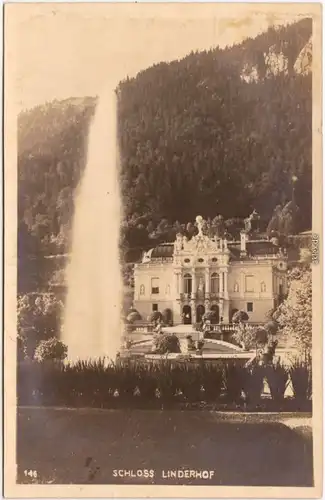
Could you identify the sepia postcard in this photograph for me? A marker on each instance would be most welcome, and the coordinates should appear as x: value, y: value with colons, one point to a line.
x: 163, y: 250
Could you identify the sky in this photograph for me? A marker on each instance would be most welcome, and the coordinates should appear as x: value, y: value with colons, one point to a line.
x: 73, y: 50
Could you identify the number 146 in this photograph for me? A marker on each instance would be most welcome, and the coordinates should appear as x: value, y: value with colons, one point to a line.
x: 30, y: 473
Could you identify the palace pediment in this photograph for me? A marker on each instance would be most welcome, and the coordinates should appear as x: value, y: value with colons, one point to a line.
x: 199, y: 244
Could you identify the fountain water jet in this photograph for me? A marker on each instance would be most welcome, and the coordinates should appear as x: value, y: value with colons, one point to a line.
x: 92, y: 323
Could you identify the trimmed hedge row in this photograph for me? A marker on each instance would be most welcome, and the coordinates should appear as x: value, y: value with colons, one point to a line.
x: 94, y: 384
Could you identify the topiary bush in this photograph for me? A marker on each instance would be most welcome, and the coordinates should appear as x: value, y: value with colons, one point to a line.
x: 155, y: 317
x: 133, y: 316
x: 239, y: 317
x: 166, y: 343
x: 167, y: 316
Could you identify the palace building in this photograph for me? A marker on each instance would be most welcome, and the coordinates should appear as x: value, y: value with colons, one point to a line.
x: 190, y: 277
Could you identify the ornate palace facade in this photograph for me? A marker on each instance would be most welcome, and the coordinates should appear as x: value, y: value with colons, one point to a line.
x: 192, y: 276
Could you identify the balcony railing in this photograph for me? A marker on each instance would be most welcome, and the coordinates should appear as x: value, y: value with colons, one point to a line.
x: 226, y: 327
x: 200, y: 296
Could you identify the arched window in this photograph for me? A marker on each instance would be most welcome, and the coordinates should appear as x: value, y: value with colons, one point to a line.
x: 263, y: 287
x: 142, y: 290
x: 187, y: 283
x: 236, y: 287
x: 214, y: 283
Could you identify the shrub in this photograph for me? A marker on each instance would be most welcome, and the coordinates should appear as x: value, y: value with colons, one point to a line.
x: 129, y: 328
x: 239, y: 317
x: 261, y: 336
x: 190, y: 343
x: 51, y: 350
x: 167, y: 382
x: 233, y: 381
x: 301, y: 378
x: 253, y: 381
x: 92, y: 383
x: 166, y: 343
x: 39, y: 318
x: 189, y: 381
x: 271, y: 327
x: 277, y: 378
x: 155, y: 317
x: 267, y: 354
x: 133, y: 316
x: 212, y: 378
x: 101, y: 385
x: 167, y: 316
x: 245, y: 336
x: 295, y: 313
x: 210, y: 316
x: 127, y: 380
x: 147, y: 381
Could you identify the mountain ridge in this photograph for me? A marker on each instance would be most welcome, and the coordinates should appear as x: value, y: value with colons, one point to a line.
x: 219, y: 131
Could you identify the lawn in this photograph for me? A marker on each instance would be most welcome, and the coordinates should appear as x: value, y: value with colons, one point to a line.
x: 84, y: 446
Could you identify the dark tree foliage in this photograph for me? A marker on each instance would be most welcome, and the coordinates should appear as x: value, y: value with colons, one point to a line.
x: 218, y: 132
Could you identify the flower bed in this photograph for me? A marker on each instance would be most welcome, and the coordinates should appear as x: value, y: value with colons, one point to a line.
x: 227, y: 385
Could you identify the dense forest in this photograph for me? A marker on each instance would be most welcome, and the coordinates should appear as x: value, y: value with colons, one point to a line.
x: 223, y: 131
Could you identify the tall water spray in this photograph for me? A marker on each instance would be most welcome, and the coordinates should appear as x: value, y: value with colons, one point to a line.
x: 92, y: 322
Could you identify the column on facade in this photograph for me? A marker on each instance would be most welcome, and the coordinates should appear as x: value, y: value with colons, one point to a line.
x: 221, y: 283
x: 242, y: 282
x: 193, y: 309
x: 226, y: 311
x: 176, y: 290
x: 181, y: 284
x: 207, y: 281
x: 226, y: 284
x: 193, y: 283
x: 220, y: 309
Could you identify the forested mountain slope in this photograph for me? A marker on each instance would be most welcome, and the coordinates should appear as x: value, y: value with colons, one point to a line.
x: 218, y: 132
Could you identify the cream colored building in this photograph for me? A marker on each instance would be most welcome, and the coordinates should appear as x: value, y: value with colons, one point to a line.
x: 192, y: 276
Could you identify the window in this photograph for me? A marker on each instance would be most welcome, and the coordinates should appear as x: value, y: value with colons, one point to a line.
x: 214, y: 259
x: 200, y: 260
x: 236, y: 287
x: 154, y: 285
x: 214, y: 283
x: 249, y: 283
x: 187, y: 261
x: 154, y: 307
x: 249, y: 307
x: 263, y: 287
x: 187, y: 283
x: 142, y: 290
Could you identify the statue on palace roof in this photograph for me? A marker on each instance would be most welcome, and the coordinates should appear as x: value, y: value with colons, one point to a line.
x: 200, y: 223
x: 250, y: 222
